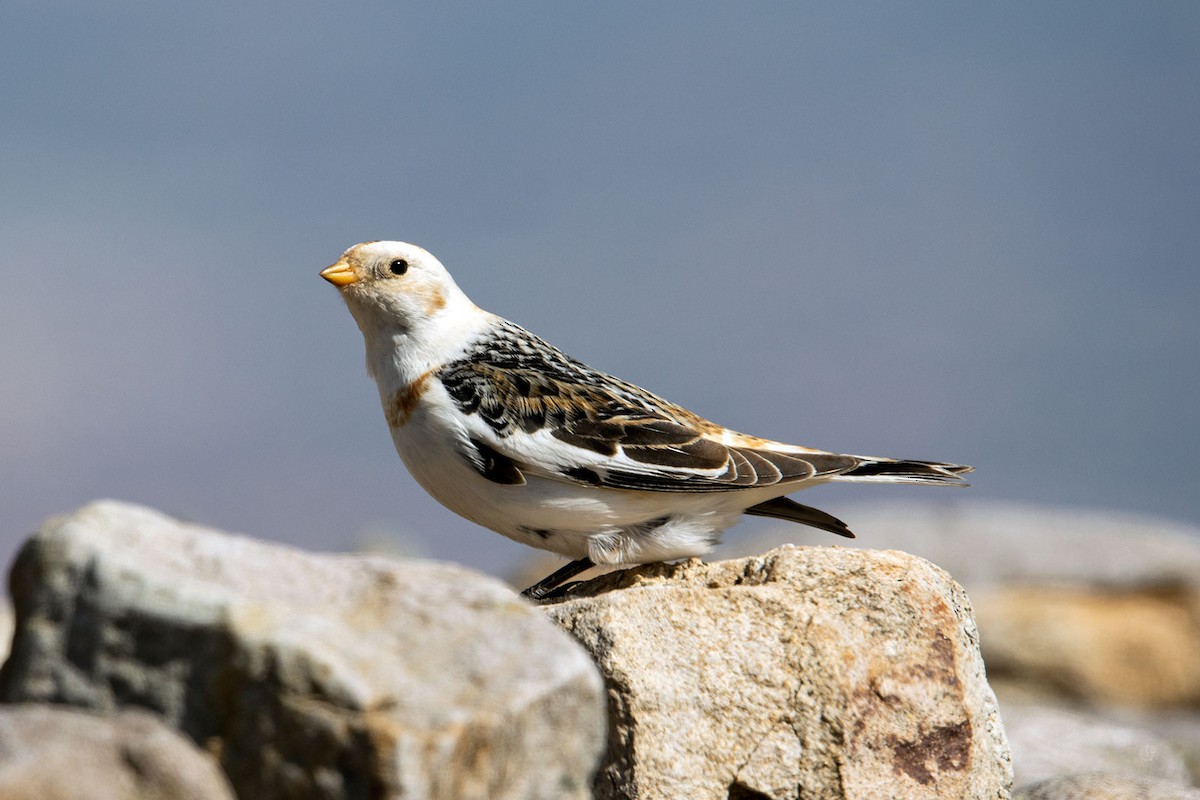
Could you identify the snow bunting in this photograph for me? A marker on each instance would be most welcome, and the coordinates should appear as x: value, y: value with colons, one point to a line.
x: 511, y: 433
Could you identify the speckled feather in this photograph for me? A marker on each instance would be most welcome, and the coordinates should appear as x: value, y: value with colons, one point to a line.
x: 517, y: 382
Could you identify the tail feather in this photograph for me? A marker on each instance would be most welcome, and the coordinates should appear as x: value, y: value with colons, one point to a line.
x: 786, y: 508
x: 868, y: 470
x: 884, y: 470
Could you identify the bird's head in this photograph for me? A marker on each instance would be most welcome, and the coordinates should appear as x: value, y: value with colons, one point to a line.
x: 394, y: 285
x: 396, y: 289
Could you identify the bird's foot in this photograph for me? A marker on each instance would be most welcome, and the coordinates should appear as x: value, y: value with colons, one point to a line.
x: 552, y: 586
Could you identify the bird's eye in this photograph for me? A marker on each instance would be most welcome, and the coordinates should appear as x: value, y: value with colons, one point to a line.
x: 398, y: 266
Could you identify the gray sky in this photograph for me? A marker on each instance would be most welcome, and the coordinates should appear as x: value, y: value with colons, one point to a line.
x: 938, y: 230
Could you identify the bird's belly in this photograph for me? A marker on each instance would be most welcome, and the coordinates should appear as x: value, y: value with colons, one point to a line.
x: 610, y: 526
x: 525, y: 512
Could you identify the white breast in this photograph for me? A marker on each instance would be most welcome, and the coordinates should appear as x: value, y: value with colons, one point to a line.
x: 562, y: 517
x: 432, y: 444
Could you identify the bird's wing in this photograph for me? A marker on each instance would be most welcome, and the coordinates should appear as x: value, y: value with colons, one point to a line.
x: 551, y: 415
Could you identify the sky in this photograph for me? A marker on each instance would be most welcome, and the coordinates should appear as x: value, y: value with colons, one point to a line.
x: 956, y: 231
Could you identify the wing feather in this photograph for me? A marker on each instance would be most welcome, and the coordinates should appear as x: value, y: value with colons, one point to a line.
x: 615, y: 433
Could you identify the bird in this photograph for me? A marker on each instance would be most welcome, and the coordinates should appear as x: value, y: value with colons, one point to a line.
x: 508, y: 431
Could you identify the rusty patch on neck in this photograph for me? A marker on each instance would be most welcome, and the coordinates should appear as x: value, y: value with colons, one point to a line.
x: 404, y: 402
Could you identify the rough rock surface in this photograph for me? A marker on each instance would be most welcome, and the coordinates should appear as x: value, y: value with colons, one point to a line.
x: 1093, y: 606
x: 805, y: 672
x: 56, y: 753
x: 1053, y: 742
x: 1106, y: 786
x: 307, y: 675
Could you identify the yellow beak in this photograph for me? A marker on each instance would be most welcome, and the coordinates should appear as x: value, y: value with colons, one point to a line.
x: 340, y: 274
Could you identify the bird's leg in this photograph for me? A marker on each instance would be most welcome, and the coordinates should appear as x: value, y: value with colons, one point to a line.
x: 546, y: 586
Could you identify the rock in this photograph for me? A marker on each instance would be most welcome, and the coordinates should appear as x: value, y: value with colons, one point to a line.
x: 1106, y: 786
x: 1050, y: 743
x: 307, y: 675
x: 805, y: 672
x: 1131, y: 647
x: 55, y: 753
x: 1091, y: 606
x: 1182, y: 730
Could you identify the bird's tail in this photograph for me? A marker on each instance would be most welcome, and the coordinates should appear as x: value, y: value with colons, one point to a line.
x: 869, y: 470
x: 886, y: 470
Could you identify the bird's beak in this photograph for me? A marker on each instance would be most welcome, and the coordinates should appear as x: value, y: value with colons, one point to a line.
x: 340, y: 274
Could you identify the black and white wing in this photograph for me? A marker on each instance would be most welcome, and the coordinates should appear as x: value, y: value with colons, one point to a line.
x: 546, y: 413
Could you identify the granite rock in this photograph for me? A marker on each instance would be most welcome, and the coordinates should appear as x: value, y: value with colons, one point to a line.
x: 306, y: 675
x: 1106, y: 786
x: 805, y: 672
x: 57, y: 753
x: 1089, y: 606
x: 1055, y: 742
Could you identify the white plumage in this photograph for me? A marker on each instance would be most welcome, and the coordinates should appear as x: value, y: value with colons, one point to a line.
x: 506, y: 430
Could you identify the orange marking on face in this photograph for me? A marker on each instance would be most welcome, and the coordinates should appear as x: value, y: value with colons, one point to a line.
x: 404, y: 403
x: 435, y: 302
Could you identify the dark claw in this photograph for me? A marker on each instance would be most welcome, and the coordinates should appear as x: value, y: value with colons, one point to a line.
x: 549, y: 586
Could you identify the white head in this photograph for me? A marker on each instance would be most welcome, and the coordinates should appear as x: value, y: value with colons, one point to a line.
x: 405, y: 302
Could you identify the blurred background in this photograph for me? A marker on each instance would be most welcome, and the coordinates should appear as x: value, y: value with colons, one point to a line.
x: 950, y: 231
